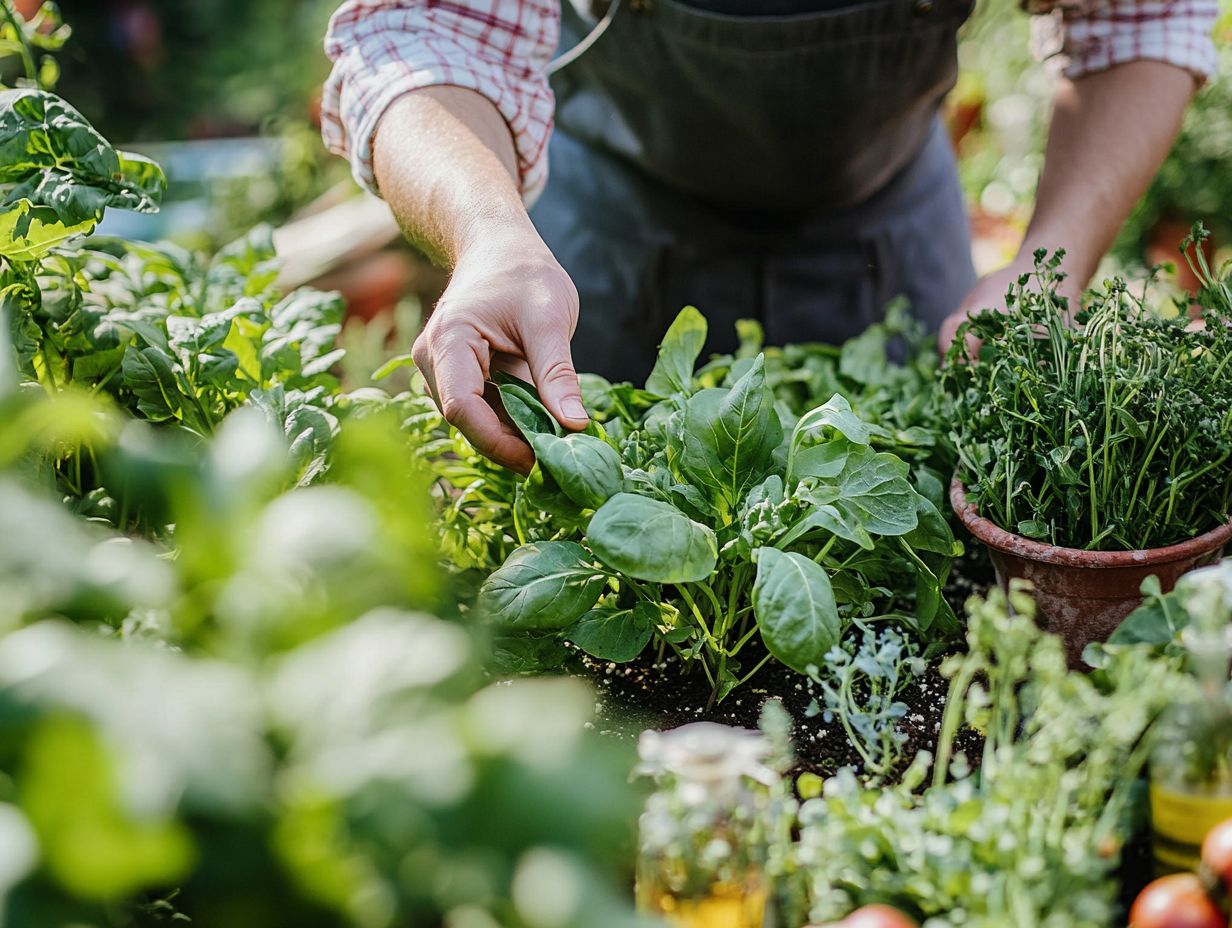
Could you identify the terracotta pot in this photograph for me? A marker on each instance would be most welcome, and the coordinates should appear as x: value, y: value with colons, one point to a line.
x: 1082, y: 596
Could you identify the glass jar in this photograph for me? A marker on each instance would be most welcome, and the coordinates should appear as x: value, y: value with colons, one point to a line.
x: 1191, y: 757
x: 705, y: 831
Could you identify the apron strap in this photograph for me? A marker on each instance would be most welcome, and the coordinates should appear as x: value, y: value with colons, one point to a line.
x: 577, y: 51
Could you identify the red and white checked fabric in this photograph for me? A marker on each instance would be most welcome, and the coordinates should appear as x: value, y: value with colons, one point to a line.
x: 1077, y: 37
x: 382, y: 49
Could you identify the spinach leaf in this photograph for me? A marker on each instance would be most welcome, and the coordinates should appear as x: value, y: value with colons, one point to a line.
x: 155, y: 380
x: 728, y: 436
x: 874, y: 490
x: 28, y: 232
x: 827, y: 518
x: 648, y: 539
x: 673, y: 369
x: 836, y: 413
x: 544, y: 585
x: 53, y: 158
x: 612, y: 634
x: 545, y: 494
x: 587, y: 469
x: 795, y: 609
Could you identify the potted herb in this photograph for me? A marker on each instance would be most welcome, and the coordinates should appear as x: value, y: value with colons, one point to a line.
x: 1094, y: 454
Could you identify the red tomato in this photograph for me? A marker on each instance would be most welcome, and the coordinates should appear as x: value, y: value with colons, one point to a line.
x: 1217, y: 856
x: 878, y: 916
x: 1176, y: 901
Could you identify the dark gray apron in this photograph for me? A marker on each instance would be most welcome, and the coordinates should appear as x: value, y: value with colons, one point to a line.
x: 791, y: 169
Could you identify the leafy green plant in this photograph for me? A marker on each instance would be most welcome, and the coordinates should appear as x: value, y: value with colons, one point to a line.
x: 266, y: 721
x: 168, y: 337
x: 702, y: 513
x: 1114, y: 433
x: 1033, y: 834
x: 860, y: 681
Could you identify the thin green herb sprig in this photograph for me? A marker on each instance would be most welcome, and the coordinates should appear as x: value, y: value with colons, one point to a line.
x: 1113, y: 433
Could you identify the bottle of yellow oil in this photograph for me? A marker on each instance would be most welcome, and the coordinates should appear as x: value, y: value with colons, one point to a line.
x: 1191, y: 757
x: 705, y: 830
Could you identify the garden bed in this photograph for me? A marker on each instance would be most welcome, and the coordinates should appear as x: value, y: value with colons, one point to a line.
x: 646, y: 693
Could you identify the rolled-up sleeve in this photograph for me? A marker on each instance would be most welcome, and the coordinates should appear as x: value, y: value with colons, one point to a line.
x: 1078, y: 38
x: 382, y: 49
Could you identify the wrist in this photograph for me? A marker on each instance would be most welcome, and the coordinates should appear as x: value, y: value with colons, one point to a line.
x: 497, y: 232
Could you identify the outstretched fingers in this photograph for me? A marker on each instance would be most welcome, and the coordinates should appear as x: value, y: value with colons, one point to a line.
x: 455, y: 371
x: 551, y: 369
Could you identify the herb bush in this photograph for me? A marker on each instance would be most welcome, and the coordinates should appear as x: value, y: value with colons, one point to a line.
x: 1028, y: 833
x: 162, y: 333
x: 1113, y: 433
x: 703, y: 513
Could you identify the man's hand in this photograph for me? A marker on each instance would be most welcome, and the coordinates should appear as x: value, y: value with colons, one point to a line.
x: 445, y: 162
x: 509, y: 307
x: 989, y: 293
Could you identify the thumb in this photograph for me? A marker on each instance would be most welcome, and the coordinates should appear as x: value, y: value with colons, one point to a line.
x: 551, y: 368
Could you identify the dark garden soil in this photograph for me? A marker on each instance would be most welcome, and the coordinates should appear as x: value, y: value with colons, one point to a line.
x: 645, y: 694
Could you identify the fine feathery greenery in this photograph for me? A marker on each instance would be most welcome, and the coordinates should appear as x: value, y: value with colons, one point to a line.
x: 860, y: 683
x: 1028, y: 833
x: 1111, y: 433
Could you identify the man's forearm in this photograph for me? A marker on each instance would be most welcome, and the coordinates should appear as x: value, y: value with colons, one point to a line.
x: 1110, y: 132
x: 444, y: 161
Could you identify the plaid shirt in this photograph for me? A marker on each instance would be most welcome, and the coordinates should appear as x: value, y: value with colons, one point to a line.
x: 382, y: 49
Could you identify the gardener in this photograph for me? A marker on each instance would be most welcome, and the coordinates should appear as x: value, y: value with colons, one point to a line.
x: 781, y: 159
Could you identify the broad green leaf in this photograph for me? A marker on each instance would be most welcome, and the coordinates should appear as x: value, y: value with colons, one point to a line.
x: 527, y: 654
x: 825, y: 461
x: 673, y: 369
x: 829, y: 519
x: 28, y: 232
x: 648, y: 539
x: 240, y: 345
x: 836, y: 413
x: 145, y: 176
x: 545, y: 494
x: 863, y: 358
x: 795, y: 609
x: 1158, y: 621
x: 397, y: 362
x: 932, y: 532
x: 544, y: 585
x: 612, y: 634
x: 728, y: 436
x: 524, y: 408
x: 586, y: 468
x: 1034, y: 528
x: 874, y: 489
x: 51, y: 156
x: 98, y: 365
x: 150, y: 374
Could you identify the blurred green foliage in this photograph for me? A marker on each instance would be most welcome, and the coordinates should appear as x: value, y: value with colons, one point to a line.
x: 224, y: 699
x: 173, y: 69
